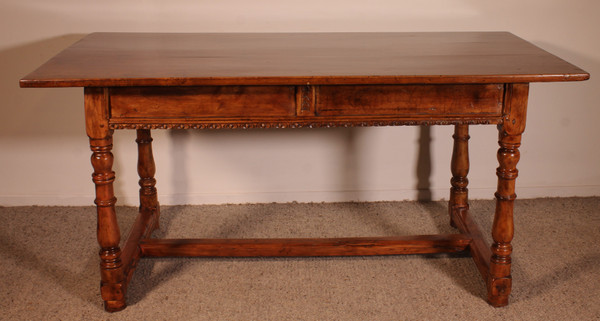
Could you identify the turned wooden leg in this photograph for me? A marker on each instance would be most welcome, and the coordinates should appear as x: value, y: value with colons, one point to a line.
x: 500, y: 280
x: 460, y: 168
x: 112, y: 285
x: 111, y: 267
x: 146, y: 170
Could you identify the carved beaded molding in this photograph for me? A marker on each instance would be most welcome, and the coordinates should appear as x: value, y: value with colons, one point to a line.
x: 293, y: 124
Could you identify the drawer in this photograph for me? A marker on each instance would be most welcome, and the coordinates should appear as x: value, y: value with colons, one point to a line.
x: 409, y: 100
x: 205, y: 101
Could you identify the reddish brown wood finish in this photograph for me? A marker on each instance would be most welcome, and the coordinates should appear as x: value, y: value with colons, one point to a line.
x: 304, y: 106
x: 447, y: 100
x: 148, y: 81
x: 111, y: 267
x: 306, y: 100
x: 208, y: 101
x: 146, y: 171
x: 148, y: 218
x: 510, y: 131
x: 458, y: 206
x: 148, y: 59
x: 479, y: 248
x: 142, y: 228
x: 422, y: 244
x: 460, y: 168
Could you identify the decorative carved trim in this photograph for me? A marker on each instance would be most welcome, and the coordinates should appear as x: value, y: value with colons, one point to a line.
x: 305, y: 100
x: 297, y: 124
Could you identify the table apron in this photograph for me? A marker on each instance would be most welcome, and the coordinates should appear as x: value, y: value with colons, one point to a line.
x: 304, y: 106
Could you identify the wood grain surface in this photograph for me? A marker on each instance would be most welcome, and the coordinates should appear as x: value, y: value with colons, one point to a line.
x: 149, y: 59
x: 302, y: 80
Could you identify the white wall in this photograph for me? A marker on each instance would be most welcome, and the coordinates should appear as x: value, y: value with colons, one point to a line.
x: 44, y: 154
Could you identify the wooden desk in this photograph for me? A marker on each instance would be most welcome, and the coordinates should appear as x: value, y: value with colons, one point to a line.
x: 213, y: 81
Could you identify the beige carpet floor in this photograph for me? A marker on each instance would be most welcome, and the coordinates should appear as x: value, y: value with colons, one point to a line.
x: 49, y: 265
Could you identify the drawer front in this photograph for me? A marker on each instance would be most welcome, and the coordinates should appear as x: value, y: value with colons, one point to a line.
x: 409, y: 100
x: 206, y: 101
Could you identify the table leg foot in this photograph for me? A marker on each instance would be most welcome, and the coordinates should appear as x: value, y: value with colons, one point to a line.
x: 114, y: 306
x: 498, y: 292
